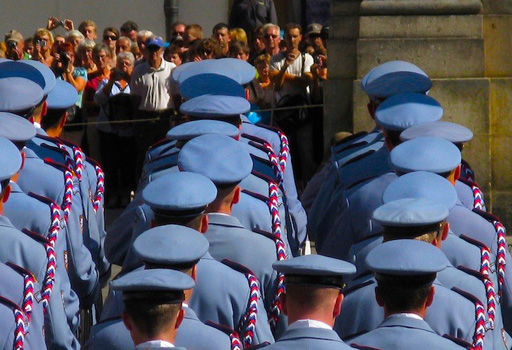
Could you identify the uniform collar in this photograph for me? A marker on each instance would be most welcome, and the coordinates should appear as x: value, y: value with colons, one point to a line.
x: 223, y: 220
x: 308, y: 323
x: 404, y: 321
x: 154, y: 344
x: 313, y: 333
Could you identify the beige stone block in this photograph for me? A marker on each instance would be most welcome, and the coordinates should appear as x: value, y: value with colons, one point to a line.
x: 501, y: 206
x: 345, y: 7
x: 439, y: 58
x: 420, y: 7
x: 420, y: 26
x: 362, y: 119
x: 497, y: 7
x: 478, y: 154
x: 343, y: 27
x: 498, y: 41
x: 342, y: 59
x: 500, y: 102
x: 501, y: 163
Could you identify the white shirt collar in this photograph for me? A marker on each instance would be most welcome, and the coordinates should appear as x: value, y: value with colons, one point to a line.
x: 408, y: 314
x: 37, y: 125
x: 307, y: 323
x: 154, y: 344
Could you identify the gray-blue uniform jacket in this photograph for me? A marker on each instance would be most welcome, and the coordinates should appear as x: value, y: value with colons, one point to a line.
x: 109, y: 334
x: 82, y: 270
x: 221, y: 296
x: 466, y: 196
x: 309, y: 338
x: 12, y: 288
x: 39, y: 220
x: 362, y: 313
x: 28, y: 252
x: 399, y: 332
x: 8, y: 328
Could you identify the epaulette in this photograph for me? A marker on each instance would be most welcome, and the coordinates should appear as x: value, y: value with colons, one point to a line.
x: 19, y: 319
x: 158, y: 143
x: 258, y: 346
x: 473, y: 241
x: 256, y: 195
x: 357, y: 158
x: 35, y: 236
x: 486, y: 215
x: 55, y: 164
x: 267, y: 166
x: 263, y: 176
x: 480, y: 318
x: 55, y: 149
x: 478, y: 196
x: 351, y: 138
x: 360, y: 181
x: 353, y: 335
x: 268, y: 127
x: 236, y: 266
x: 68, y: 143
x: 261, y: 146
x: 92, y: 161
x: 162, y: 156
x: 28, y: 287
x: 458, y: 341
x: 362, y: 347
x: 350, y: 146
x: 267, y: 234
x: 236, y: 343
x: 253, y: 138
x: 110, y: 319
x: 358, y: 286
x: 472, y: 272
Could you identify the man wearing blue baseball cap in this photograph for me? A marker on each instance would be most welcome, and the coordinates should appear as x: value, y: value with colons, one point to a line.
x: 151, y: 90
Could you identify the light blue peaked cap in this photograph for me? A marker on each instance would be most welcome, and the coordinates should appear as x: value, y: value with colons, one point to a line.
x: 17, y: 69
x: 238, y: 70
x: 403, y: 111
x: 314, y: 265
x: 19, y: 94
x: 431, y: 154
x: 393, y: 78
x: 220, y: 158
x: 421, y: 184
x: 16, y: 128
x: 63, y: 96
x: 215, y: 106
x: 171, y: 245
x: 46, y: 72
x: 406, y: 257
x: 10, y: 159
x: 452, y: 132
x: 154, y: 280
x: 195, y: 128
x: 410, y: 212
x: 210, y: 84
x: 180, y: 191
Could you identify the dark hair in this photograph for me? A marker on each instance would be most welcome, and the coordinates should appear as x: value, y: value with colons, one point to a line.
x: 393, y: 137
x: 111, y: 29
x: 237, y: 46
x: 219, y: 26
x: 128, y: 26
x: 52, y: 118
x: 188, y: 221
x: 291, y: 26
x: 206, y: 47
x: 150, y: 316
x: 403, y: 298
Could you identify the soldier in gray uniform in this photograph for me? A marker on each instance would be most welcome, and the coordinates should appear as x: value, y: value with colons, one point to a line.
x: 225, y: 162
x: 312, y: 301
x: 153, y: 300
x: 405, y: 271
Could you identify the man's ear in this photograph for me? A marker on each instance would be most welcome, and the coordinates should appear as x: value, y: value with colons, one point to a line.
x: 179, y: 318
x: 127, y: 321
x: 430, y: 297
x: 236, y: 196
x: 204, y: 224
x: 337, y: 305
x: 63, y: 120
x: 44, y: 110
x: 457, y: 172
x: 378, y: 297
x: 446, y: 229
x: 193, y: 275
x: 6, y: 193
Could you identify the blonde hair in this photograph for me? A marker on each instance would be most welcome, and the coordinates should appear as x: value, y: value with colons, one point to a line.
x: 238, y: 34
x: 43, y: 31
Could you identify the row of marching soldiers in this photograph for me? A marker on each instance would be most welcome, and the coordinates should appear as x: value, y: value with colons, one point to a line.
x: 222, y: 176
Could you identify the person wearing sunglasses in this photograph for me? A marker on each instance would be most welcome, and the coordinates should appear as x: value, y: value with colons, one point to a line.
x: 271, y: 39
x: 110, y: 36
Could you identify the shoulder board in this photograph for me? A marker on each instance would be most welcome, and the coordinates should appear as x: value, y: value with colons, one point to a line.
x: 237, y: 267
x: 158, y: 143
x: 362, y: 239
x: 262, y: 176
x: 466, y: 295
x: 458, y: 341
x: 473, y: 241
x: 472, y: 272
x: 257, y: 346
x: 40, y: 198
x: 357, y: 287
x: 350, y: 336
x: 258, y: 146
x: 256, y: 195
x: 220, y: 327
x: 360, y: 181
x: 20, y: 270
x: 46, y: 138
x: 351, y: 138
x: 162, y: 156
x: 362, y: 347
x: 253, y: 138
x: 115, y: 318
x: 352, y: 145
x: 467, y: 182
x: 55, y: 148
x: 35, y: 236
x: 10, y: 304
x: 69, y: 143
x: 487, y: 216
x: 268, y: 127
x: 357, y: 158
x: 93, y: 161
x: 264, y: 233
x: 59, y: 166
x: 262, y: 160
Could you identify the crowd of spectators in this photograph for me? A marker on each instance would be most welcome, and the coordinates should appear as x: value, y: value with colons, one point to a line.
x: 290, y: 69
